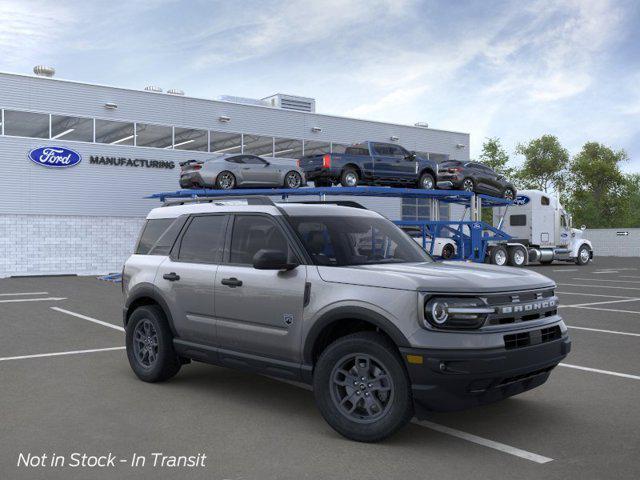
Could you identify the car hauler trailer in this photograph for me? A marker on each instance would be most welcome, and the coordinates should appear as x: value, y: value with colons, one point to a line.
x: 472, y: 237
x: 539, y: 225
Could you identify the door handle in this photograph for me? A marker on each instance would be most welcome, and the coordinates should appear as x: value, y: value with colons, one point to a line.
x: 172, y: 277
x: 231, y: 282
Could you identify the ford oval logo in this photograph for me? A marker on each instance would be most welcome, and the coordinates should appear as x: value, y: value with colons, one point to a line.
x: 55, y: 157
x: 521, y: 200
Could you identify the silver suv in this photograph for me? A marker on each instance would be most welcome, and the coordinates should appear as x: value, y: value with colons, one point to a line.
x: 340, y: 298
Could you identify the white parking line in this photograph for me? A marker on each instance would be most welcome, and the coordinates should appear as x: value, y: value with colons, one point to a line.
x: 629, y: 276
x: 591, y: 294
x: 597, y: 303
x: 597, y: 370
x: 46, y: 299
x: 604, y: 331
x: 606, y: 271
x: 58, y: 354
x: 89, y: 319
x: 534, y: 457
x: 23, y: 293
x: 597, y: 286
x: 566, y: 270
x: 608, y: 310
x: 610, y: 281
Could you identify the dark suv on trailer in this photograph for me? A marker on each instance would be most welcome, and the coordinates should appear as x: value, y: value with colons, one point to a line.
x: 474, y: 177
x: 340, y: 298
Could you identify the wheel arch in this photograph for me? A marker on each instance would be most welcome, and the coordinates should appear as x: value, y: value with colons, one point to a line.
x: 342, y: 321
x: 146, y: 294
x: 355, y: 166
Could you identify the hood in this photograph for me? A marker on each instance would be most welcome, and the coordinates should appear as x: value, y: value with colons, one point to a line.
x: 460, y: 277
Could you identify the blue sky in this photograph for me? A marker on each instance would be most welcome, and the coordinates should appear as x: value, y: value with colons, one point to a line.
x: 511, y: 69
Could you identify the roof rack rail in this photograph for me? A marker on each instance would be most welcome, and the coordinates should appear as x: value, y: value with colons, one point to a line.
x: 250, y: 199
x: 340, y: 203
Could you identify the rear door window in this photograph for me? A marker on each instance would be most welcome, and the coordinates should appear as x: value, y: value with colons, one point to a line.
x: 152, y: 231
x: 203, y: 240
x: 252, y: 233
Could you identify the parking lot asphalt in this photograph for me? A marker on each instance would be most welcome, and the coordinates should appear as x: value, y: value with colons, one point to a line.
x: 583, y: 423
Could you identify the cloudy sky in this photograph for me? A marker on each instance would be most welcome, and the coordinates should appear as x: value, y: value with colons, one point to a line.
x: 511, y: 69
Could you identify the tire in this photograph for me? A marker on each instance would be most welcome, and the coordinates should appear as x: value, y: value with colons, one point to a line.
x: 292, y: 180
x: 509, y: 194
x: 448, y: 251
x: 584, y: 255
x: 322, y: 183
x: 377, y: 413
x: 468, y: 185
x: 165, y: 363
x: 225, y: 180
x: 349, y: 177
x: 427, y: 182
x: 498, y: 256
x: 517, y: 256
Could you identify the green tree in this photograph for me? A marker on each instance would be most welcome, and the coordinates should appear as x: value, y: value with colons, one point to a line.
x: 545, y: 164
x: 632, y: 185
x: 599, y: 193
x: 495, y: 156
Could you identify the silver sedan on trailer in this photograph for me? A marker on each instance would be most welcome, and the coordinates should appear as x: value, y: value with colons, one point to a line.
x: 241, y: 170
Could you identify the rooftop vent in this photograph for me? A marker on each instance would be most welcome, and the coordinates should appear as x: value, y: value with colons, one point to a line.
x: 422, y: 124
x: 153, y: 88
x: 291, y: 102
x: 243, y: 100
x: 44, y: 71
x: 175, y: 91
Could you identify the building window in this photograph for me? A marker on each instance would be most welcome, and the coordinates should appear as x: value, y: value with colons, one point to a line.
x: 222, y: 142
x: 316, y: 148
x: 338, y: 147
x: 114, y: 133
x: 190, y: 139
x: 71, y: 128
x: 287, y: 148
x: 26, y: 124
x: 416, y: 209
x: 157, y: 136
x: 258, y: 145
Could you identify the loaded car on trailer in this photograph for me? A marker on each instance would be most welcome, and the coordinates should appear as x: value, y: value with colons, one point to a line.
x: 371, y: 163
x: 474, y: 177
x: 337, y: 297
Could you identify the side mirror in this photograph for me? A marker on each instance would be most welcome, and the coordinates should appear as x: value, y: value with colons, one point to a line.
x: 411, y: 157
x: 265, y: 259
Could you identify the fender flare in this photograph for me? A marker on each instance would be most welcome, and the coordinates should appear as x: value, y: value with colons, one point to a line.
x: 350, y: 312
x: 580, y: 243
x: 147, y: 290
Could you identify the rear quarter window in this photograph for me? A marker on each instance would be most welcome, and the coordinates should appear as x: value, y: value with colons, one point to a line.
x: 155, y: 230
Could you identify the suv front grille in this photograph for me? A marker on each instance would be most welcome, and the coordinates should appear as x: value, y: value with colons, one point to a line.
x: 535, y: 337
x: 522, y: 306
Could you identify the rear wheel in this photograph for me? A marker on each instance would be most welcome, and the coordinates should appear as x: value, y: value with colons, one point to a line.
x: 362, y: 388
x: 225, y: 180
x: 349, y: 178
x: 517, y: 256
x: 426, y: 182
x: 509, y: 194
x: 448, y: 251
x: 149, y: 344
x: 498, y: 255
x: 293, y: 180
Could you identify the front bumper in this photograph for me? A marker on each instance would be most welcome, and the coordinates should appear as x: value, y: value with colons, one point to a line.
x: 449, y: 380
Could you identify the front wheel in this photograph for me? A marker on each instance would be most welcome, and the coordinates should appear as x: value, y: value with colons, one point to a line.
x: 468, y: 185
x: 362, y: 388
x: 149, y: 345
x: 584, y: 255
x: 448, y: 251
x: 426, y: 182
x: 293, y: 180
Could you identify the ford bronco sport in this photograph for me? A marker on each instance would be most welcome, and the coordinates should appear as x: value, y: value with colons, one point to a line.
x: 337, y: 297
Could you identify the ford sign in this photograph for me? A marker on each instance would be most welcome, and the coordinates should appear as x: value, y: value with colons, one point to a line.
x: 521, y: 200
x: 55, y: 157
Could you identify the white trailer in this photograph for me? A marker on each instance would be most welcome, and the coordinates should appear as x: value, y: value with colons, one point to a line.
x: 541, y: 231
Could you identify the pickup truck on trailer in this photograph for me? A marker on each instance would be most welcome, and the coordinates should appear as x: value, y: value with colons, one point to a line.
x: 371, y: 163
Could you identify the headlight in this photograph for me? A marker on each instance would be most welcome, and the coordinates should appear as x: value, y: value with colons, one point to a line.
x: 450, y: 312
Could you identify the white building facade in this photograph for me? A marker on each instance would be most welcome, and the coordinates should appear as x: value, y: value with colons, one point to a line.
x: 85, y: 218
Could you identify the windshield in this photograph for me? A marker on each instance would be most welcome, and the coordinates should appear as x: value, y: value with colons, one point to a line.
x: 356, y: 240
